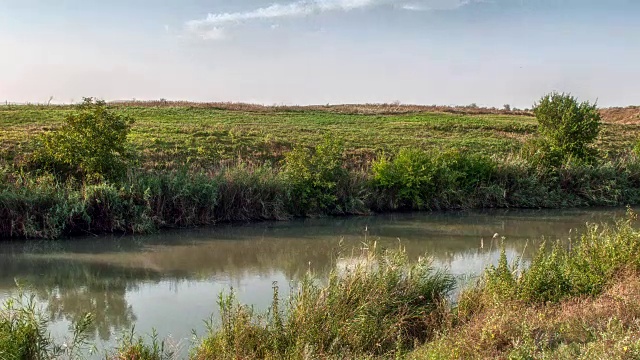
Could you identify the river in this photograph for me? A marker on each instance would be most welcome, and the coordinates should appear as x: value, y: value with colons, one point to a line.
x: 170, y: 281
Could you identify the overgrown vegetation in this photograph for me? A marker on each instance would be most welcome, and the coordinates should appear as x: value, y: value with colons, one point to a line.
x: 318, y: 179
x: 579, y: 301
x: 24, y: 334
x: 45, y: 207
x: 420, y: 180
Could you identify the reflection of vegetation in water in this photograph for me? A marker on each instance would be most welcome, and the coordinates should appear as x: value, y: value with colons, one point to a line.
x: 69, y: 290
x: 106, y: 301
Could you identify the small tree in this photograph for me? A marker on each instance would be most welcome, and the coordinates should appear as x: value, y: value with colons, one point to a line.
x: 91, y: 143
x: 568, y: 128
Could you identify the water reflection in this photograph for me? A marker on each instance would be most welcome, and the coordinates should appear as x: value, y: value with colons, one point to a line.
x: 170, y: 281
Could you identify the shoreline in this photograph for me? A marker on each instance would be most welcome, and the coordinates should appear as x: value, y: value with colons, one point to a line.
x: 44, y: 208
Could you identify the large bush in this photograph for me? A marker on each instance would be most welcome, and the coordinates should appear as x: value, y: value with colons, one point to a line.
x: 92, y: 143
x: 567, y: 128
x: 424, y: 180
x: 317, y: 178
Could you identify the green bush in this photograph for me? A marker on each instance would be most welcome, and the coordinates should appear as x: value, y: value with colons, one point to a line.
x: 317, y: 178
x: 423, y: 180
x: 567, y: 128
x: 91, y: 143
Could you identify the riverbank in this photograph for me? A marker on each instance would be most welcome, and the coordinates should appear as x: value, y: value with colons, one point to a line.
x: 577, y: 302
x: 308, y: 185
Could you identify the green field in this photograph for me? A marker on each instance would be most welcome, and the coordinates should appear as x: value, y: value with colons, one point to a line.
x: 167, y: 137
x: 199, y: 165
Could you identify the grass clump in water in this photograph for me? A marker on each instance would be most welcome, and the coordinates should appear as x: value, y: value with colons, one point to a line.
x: 133, y: 347
x: 379, y: 305
x: 24, y: 334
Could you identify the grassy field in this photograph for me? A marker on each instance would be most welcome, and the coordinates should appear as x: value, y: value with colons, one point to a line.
x: 200, y: 164
x: 172, y: 136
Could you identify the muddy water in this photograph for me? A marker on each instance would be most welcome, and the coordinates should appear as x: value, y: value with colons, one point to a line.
x: 170, y: 282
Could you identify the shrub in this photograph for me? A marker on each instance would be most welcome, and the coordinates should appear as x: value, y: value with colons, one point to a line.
x: 91, y: 143
x: 316, y: 178
x: 423, y: 180
x: 567, y: 127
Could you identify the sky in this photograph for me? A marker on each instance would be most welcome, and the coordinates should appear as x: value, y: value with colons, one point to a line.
x: 444, y: 52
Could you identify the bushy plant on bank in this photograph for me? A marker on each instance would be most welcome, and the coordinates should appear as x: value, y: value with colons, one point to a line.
x: 571, y: 302
x: 91, y: 144
x: 567, y: 129
x: 381, y: 306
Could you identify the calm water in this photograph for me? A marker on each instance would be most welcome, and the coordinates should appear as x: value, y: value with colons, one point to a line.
x: 170, y: 282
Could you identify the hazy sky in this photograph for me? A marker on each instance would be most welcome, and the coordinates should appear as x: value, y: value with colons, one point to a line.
x: 488, y: 52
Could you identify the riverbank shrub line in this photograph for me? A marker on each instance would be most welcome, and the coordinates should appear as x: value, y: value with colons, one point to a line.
x: 45, y: 206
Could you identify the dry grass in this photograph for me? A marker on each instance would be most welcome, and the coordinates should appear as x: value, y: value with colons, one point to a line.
x: 629, y: 115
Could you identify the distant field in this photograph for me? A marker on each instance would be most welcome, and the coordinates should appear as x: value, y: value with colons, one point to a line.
x: 170, y: 135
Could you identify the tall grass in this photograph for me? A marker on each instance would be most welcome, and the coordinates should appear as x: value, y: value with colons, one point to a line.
x: 381, y: 305
x: 583, y: 269
x: 24, y: 334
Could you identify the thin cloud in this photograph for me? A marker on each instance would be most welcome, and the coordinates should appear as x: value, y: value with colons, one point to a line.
x: 214, y: 33
x: 436, y: 5
x: 214, y: 25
